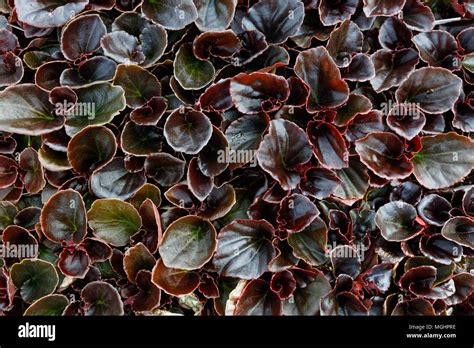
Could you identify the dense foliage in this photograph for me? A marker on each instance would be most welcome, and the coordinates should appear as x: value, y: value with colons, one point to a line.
x: 236, y: 157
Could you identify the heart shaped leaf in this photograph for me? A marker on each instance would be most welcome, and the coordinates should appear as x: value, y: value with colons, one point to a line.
x: 392, y: 67
x: 383, y: 154
x: 310, y: 244
x: 139, y: 84
x: 214, y: 15
x: 82, y: 36
x: 306, y: 300
x: 460, y: 229
x: 152, y: 38
x: 25, y: 109
x: 140, y: 140
x: 383, y: 8
x: 418, y: 16
x: 135, y: 259
x: 258, y: 299
x: 360, y: 69
x: 332, y: 12
x: 282, y: 150
x: 123, y: 47
x: 434, y: 90
x: 257, y: 92
x: 48, y: 13
x: 296, y: 213
x: 34, y: 177
x: 164, y: 168
x: 91, y: 148
x: 320, y: 73
x: 210, y: 160
x: 114, y: 181
x: 34, y: 278
x: 173, y: 281
x: 97, y: 105
x: 187, y: 131
x: 276, y: 19
x: 217, y: 97
x: 405, y: 120
x: 434, y: 209
x: 113, y: 221
x: 172, y: 14
x: 8, y: 172
x: 188, y: 243
x: 74, y: 262
x: 437, y: 48
x: 242, y: 241
x: 199, y: 184
x: 356, y: 104
x: 344, y: 42
x: 398, y: 221
x: 50, y: 305
x: 218, y: 44
x: 319, y: 182
x: 63, y: 217
x: 394, y: 34
x: 100, y: 299
x: 444, y: 160
x: 191, y: 72
x: 244, y: 136
x: 328, y: 144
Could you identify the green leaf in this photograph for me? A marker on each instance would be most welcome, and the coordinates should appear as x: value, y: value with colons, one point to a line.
x: 188, y: 243
x: 191, y: 72
x: 7, y: 214
x: 310, y: 244
x: 444, y: 160
x: 137, y: 258
x: 139, y: 84
x: 305, y: 301
x: 468, y: 62
x: 25, y: 109
x: 51, y: 305
x: 96, y: 105
x: 114, y: 221
x: 34, y: 279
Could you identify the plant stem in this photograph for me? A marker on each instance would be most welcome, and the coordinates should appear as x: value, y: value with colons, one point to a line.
x: 447, y: 20
x: 16, y: 27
